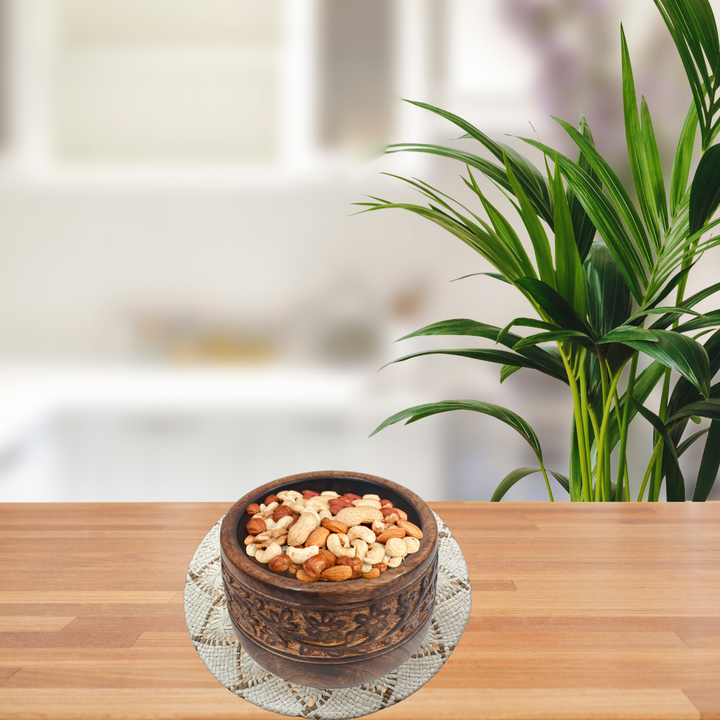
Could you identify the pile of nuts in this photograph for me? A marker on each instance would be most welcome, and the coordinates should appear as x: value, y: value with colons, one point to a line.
x: 326, y: 536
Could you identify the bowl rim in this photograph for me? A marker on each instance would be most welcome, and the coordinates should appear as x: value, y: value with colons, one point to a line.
x: 389, y: 580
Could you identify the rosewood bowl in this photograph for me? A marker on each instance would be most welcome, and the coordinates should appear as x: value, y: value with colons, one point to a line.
x: 330, y: 634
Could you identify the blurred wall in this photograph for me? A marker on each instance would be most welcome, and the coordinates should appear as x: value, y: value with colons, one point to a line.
x: 178, y: 176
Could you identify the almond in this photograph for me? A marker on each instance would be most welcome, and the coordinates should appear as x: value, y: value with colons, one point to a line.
x: 255, y: 526
x: 302, y: 575
x: 401, y: 513
x: 325, y: 553
x: 334, y: 526
x: 370, y: 575
x: 336, y: 573
x: 393, y: 532
x: 410, y: 528
x: 317, y: 537
x: 253, y: 509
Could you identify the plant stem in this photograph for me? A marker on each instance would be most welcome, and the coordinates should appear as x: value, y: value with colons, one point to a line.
x: 601, y: 443
x: 656, y: 483
x: 584, y: 408
x: 621, y: 466
x: 596, y: 430
x: 622, y: 460
x: 578, y: 426
x: 547, y: 482
x: 656, y: 453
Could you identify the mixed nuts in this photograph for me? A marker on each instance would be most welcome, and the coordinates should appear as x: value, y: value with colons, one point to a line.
x: 327, y: 536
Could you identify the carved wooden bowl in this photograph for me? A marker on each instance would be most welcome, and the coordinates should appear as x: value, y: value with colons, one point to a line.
x: 330, y: 634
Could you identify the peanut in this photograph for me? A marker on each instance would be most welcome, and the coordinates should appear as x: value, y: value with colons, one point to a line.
x: 388, y: 510
x: 358, y: 515
x: 385, y: 503
x: 299, y: 532
x: 371, y: 497
x: 309, y: 493
x: 351, y: 496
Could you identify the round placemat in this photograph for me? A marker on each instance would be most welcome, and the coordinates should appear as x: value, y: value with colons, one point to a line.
x: 214, y: 638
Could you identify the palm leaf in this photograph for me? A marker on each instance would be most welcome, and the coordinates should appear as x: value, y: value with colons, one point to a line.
x: 683, y: 158
x: 516, y: 475
x: 709, y: 464
x: 506, y: 416
x: 705, y: 190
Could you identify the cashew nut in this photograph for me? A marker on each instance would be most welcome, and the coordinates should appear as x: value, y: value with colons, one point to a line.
x: 374, y: 554
x: 317, y: 504
x: 265, y: 556
x: 394, y: 562
x: 300, y: 555
x: 358, y: 515
x: 266, y: 511
x: 371, y: 497
x: 412, y: 544
x: 289, y: 495
x: 395, y: 547
x: 367, y: 502
x: 328, y: 494
x: 362, y: 532
x: 339, y: 545
x: 251, y: 550
x: 297, y: 506
x: 280, y: 540
x: 326, y: 514
x: 366, y: 568
x: 361, y: 547
x: 299, y: 532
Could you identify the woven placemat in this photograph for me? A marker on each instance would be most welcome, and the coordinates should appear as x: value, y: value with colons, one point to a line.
x: 214, y: 638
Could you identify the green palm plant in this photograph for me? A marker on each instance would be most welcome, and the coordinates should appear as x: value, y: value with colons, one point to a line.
x: 600, y: 275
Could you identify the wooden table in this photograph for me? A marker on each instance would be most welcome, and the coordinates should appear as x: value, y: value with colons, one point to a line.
x: 578, y: 612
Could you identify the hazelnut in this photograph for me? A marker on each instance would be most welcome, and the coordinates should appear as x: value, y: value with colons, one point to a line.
x: 354, y: 563
x: 382, y: 567
x: 315, y: 565
x: 255, y: 526
x: 280, y: 563
x: 281, y: 511
x: 253, y: 509
x: 271, y: 499
x: 294, y: 568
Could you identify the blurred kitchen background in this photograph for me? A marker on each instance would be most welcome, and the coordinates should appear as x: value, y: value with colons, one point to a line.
x: 188, y: 309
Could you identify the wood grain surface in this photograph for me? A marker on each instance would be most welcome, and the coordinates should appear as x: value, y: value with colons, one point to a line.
x: 608, y: 611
